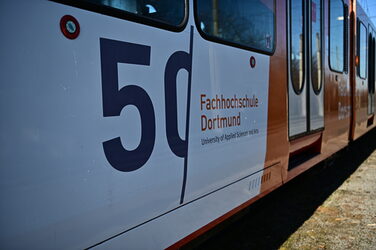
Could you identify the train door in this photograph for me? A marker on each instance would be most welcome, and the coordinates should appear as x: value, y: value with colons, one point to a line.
x: 97, y: 159
x: 305, y: 71
x: 360, y: 91
x: 371, y: 71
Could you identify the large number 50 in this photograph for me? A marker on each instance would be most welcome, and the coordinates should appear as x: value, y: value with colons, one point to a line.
x: 115, y: 99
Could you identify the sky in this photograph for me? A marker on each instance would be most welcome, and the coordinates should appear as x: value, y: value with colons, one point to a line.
x: 370, y: 7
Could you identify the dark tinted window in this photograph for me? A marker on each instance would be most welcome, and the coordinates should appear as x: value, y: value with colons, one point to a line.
x: 371, y: 60
x: 374, y: 62
x: 336, y: 35
x: 347, y: 39
x: 362, y: 50
x: 316, y: 44
x: 248, y: 23
x: 296, y: 45
x: 167, y: 11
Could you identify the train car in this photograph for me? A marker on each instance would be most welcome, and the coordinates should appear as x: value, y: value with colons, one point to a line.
x: 141, y: 124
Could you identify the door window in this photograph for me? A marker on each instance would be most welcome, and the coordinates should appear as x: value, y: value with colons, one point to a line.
x: 297, y: 45
x: 336, y: 35
x: 316, y: 54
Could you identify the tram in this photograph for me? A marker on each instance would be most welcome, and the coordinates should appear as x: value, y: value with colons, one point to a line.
x: 141, y: 124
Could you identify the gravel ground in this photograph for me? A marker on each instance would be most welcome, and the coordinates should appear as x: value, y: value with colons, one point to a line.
x: 347, y: 219
x: 331, y: 206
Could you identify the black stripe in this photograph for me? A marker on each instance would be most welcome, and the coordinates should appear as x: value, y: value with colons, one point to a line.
x: 187, y: 119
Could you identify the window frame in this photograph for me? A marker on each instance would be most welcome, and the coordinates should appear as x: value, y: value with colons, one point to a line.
x: 344, y: 39
x: 233, y: 44
x: 125, y: 15
x: 359, y: 23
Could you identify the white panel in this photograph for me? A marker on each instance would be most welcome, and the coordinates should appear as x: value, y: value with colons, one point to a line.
x: 232, y: 152
x: 58, y: 190
x: 172, y: 227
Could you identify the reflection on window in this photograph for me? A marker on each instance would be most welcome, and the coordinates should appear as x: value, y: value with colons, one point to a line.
x: 248, y: 23
x: 316, y: 44
x: 362, y: 50
x: 167, y: 11
x: 296, y: 45
x: 336, y: 36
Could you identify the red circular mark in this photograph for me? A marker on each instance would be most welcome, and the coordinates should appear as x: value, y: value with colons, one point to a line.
x: 70, y: 27
x: 252, y: 62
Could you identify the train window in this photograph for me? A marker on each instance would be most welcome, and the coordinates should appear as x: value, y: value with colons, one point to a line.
x: 347, y: 38
x: 371, y: 60
x: 168, y: 12
x: 362, y: 50
x: 336, y: 35
x: 374, y: 62
x: 297, y: 45
x: 241, y: 23
x: 316, y: 51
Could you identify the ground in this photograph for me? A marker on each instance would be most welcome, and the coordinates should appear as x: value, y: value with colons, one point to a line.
x: 347, y: 219
x: 331, y: 206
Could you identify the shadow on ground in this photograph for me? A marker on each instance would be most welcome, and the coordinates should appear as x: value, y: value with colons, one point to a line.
x: 269, y: 222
